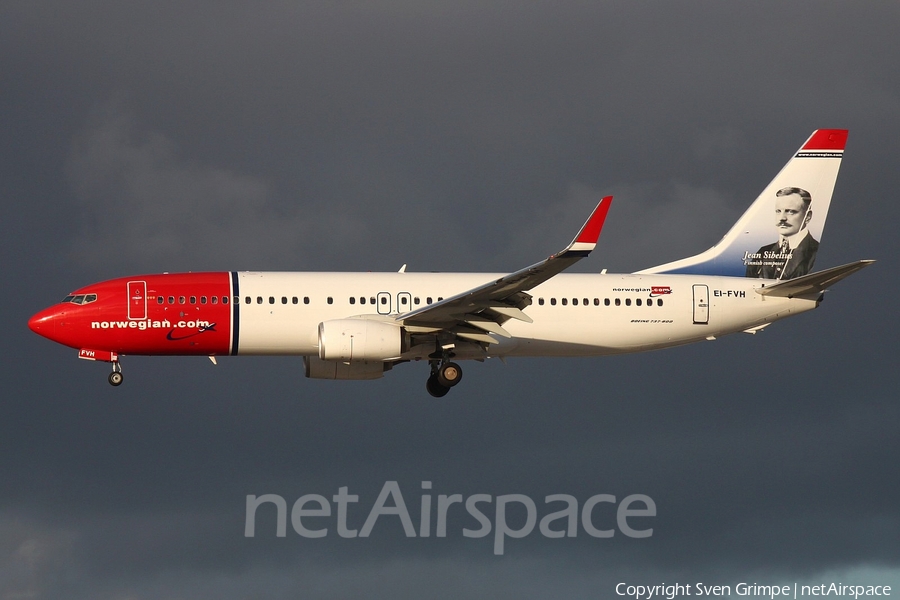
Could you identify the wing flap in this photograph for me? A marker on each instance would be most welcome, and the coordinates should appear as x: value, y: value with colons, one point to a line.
x: 485, y: 324
x: 510, y: 312
x: 475, y: 336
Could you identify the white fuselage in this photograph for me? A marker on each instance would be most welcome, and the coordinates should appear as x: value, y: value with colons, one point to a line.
x: 573, y: 314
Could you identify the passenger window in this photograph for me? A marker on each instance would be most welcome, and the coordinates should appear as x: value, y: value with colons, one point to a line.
x: 585, y: 301
x: 352, y: 300
x: 180, y: 299
x: 565, y: 301
x: 202, y: 299
x: 596, y: 301
x: 659, y: 301
x: 574, y: 301
x: 171, y: 299
x: 284, y: 299
x: 259, y: 299
x: 627, y: 301
x: 618, y: 302
x: 384, y: 299
x: 305, y: 299
x: 271, y: 299
x: 160, y: 300
x: 193, y: 299
x: 403, y: 300
x: 330, y: 300
x: 638, y: 301
x: 294, y: 300
x: 440, y: 298
x: 541, y: 301
x: 416, y: 300
x: 552, y: 301
x: 372, y: 300
x: 428, y: 300
x: 606, y: 302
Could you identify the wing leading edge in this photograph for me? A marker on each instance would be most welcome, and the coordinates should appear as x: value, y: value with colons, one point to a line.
x: 481, y: 311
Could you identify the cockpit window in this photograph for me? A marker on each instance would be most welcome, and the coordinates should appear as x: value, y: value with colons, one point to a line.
x: 81, y: 298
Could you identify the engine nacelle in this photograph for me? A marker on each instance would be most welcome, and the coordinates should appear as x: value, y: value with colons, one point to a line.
x: 353, y: 340
x: 316, y: 368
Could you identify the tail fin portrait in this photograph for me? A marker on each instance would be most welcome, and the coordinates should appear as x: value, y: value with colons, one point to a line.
x: 779, y: 235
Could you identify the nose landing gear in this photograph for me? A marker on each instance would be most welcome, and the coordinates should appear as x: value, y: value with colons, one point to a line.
x: 115, y: 378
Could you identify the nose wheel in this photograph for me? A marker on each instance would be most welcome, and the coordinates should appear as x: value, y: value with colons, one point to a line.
x: 115, y: 378
x: 443, y: 376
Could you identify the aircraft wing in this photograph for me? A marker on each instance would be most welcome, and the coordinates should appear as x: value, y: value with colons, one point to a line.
x: 481, y: 311
x: 814, y: 283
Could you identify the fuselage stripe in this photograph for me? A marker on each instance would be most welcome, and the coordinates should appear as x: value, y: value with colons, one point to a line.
x: 236, y: 313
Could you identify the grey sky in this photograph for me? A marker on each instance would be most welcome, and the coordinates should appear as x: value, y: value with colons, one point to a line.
x: 450, y: 136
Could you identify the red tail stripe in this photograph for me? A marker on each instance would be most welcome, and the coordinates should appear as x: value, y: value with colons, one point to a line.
x: 827, y: 139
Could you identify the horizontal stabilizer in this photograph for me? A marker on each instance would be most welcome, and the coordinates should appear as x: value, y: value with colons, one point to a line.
x: 814, y: 283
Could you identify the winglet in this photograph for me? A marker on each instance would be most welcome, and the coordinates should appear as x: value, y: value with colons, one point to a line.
x: 587, y: 238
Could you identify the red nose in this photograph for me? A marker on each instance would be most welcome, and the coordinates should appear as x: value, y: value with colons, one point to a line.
x: 43, y: 322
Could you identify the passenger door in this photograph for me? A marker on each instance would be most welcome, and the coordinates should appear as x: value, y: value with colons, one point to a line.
x: 137, y: 300
x: 701, y: 304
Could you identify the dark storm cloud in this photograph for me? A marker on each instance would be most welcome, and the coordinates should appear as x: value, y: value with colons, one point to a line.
x: 454, y: 137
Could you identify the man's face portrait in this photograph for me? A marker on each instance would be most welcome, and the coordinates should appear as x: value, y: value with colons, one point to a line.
x: 790, y: 214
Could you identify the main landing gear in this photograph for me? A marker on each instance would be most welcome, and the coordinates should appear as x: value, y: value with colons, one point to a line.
x: 115, y: 378
x: 444, y: 375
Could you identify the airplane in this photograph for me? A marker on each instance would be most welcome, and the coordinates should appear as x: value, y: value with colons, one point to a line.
x: 356, y: 326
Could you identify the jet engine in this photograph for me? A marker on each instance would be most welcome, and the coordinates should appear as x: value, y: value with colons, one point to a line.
x: 352, y: 340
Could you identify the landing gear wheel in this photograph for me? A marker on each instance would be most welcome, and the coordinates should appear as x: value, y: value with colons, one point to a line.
x: 449, y: 374
x: 115, y: 378
x: 435, y: 388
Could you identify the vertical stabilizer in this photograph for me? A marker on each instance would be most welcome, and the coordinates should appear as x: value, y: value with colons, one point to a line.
x: 778, y: 237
